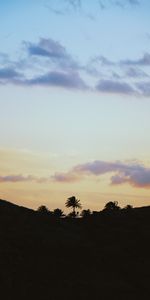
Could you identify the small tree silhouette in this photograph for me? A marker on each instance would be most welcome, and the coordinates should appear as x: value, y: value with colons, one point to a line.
x: 74, y: 203
x: 43, y: 209
x: 85, y: 213
x: 111, y: 206
x: 58, y: 213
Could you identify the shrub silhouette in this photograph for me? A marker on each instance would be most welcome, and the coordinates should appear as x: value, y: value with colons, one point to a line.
x: 128, y: 207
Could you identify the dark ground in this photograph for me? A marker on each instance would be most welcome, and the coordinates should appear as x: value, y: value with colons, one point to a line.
x: 101, y: 257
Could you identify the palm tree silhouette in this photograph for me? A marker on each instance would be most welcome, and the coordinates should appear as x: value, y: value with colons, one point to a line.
x: 74, y: 203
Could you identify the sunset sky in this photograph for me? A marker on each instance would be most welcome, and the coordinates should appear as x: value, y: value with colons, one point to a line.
x: 75, y: 102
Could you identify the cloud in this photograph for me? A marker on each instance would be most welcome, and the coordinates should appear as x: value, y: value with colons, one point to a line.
x: 144, y: 88
x: 103, y: 4
x: 137, y: 176
x: 48, y: 63
x: 114, y: 74
x: 16, y: 178
x: 8, y: 75
x: 143, y: 61
x: 114, y: 86
x: 70, y: 80
x: 135, y: 73
x: 134, y: 2
x: 123, y: 3
x: 104, y: 61
x: 66, y: 177
x: 63, y: 69
x: 132, y: 173
x: 64, y: 7
x: 57, y: 12
x: 75, y: 3
x: 20, y: 178
x: 47, y: 47
x: 53, y: 50
x: 4, y: 58
x: 60, y: 7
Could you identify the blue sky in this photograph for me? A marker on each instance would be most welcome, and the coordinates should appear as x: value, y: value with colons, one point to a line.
x: 75, y: 88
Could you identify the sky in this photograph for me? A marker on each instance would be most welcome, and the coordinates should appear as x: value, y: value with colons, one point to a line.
x: 75, y: 102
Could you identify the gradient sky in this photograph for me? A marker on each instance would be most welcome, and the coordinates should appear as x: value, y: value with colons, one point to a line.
x: 75, y: 102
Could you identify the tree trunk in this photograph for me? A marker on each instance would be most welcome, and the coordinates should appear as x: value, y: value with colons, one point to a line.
x: 74, y: 212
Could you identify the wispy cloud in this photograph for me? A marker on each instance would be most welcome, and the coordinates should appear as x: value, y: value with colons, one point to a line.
x: 68, y: 177
x: 142, y: 61
x: 103, y: 4
x: 119, y: 3
x: 75, y: 3
x: 4, y: 58
x: 104, y: 61
x: 134, y: 2
x: 16, y: 178
x: 132, y: 173
x: 21, y: 178
x: 62, y: 6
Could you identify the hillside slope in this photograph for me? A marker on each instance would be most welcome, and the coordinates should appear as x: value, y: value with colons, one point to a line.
x: 104, y: 257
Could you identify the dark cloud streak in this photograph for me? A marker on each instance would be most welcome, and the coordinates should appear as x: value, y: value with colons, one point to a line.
x: 60, y: 79
x: 116, y: 87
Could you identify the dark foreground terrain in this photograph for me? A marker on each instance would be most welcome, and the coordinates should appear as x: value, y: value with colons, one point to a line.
x: 104, y: 256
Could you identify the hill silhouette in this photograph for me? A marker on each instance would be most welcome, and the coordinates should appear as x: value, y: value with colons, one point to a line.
x: 103, y: 256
